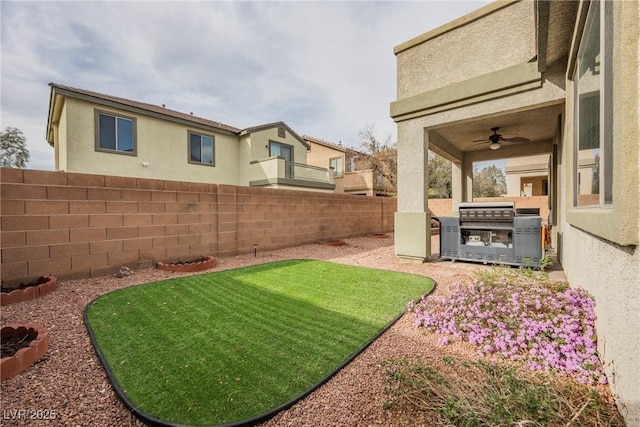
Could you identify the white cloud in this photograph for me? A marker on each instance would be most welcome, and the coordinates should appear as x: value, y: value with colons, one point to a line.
x: 325, y: 68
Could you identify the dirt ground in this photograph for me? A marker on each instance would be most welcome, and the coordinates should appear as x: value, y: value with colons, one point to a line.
x: 69, y: 387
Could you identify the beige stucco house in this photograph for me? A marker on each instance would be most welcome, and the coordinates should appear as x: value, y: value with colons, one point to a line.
x: 527, y: 176
x: 565, y: 76
x: 351, y: 171
x: 102, y: 134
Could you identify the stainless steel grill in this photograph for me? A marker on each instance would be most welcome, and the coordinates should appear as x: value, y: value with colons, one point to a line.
x: 492, y: 233
x: 481, y: 215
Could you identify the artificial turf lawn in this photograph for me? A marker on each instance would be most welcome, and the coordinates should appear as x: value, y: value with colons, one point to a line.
x: 231, y: 345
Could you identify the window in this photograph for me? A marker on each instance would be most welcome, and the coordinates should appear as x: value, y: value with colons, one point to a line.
x: 593, y: 148
x: 201, y: 149
x: 286, y: 152
x: 601, y: 207
x: 281, y: 150
x: 115, y: 133
x: 336, y: 164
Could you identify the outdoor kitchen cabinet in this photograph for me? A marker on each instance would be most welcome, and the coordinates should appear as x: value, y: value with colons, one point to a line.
x: 492, y: 233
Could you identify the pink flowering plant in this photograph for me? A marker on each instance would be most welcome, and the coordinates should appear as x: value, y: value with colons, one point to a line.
x: 520, y: 317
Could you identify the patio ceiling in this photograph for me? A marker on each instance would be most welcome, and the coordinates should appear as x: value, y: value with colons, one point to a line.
x: 538, y: 125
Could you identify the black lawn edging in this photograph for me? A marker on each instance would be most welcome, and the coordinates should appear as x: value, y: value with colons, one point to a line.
x: 152, y: 421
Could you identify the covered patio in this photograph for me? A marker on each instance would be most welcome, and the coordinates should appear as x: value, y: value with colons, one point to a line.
x: 554, y: 77
x: 452, y: 96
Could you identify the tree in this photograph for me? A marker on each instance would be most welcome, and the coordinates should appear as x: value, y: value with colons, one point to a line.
x: 489, y: 182
x: 13, y: 149
x: 380, y: 156
x: 595, y: 176
x: 439, y: 185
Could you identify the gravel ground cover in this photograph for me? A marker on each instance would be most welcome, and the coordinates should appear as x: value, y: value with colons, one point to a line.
x: 68, y: 387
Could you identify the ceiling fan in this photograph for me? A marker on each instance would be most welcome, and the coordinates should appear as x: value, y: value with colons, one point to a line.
x: 496, y: 138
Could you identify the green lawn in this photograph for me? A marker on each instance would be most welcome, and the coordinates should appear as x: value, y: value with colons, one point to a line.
x: 230, y: 345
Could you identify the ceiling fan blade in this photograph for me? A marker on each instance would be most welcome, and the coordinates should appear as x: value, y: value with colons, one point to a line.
x: 516, y: 139
x: 481, y: 140
x: 478, y: 143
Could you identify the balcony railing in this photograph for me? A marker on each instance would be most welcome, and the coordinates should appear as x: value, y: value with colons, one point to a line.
x: 308, y: 172
x: 366, y: 181
x: 278, y: 172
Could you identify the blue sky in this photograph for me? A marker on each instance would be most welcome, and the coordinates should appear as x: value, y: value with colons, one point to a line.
x: 325, y: 68
x: 481, y: 165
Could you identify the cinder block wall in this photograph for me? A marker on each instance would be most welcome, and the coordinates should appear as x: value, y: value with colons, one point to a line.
x: 280, y: 218
x: 77, y: 225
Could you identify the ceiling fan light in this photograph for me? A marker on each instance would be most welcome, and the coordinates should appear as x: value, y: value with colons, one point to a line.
x: 494, y: 145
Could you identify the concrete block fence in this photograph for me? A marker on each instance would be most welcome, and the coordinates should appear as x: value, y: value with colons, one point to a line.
x: 73, y: 225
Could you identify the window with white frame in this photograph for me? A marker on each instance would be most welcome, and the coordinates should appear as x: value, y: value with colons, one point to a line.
x: 336, y: 164
x: 115, y: 133
x: 201, y: 149
x: 593, y: 148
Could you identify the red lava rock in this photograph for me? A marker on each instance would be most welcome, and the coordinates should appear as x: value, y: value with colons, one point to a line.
x: 25, y: 357
x: 73, y: 368
x: 43, y: 286
x: 204, y: 263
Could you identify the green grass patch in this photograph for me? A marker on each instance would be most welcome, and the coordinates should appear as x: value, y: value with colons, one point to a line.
x: 230, y: 345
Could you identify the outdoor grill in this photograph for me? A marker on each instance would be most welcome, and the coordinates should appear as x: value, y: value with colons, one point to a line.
x: 493, y: 233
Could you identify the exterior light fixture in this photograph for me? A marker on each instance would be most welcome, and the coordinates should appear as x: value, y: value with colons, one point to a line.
x: 255, y: 250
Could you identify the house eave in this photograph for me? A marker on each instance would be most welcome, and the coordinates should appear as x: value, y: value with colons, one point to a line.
x: 53, y: 117
x: 457, y: 23
x: 266, y: 126
x: 508, y: 81
x: 57, y: 90
x: 555, y: 21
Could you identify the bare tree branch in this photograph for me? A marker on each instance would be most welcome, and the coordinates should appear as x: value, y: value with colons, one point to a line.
x: 381, y: 157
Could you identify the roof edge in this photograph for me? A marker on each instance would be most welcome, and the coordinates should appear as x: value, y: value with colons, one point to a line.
x: 273, y: 125
x: 452, y: 25
x: 147, y: 108
x: 324, y: 143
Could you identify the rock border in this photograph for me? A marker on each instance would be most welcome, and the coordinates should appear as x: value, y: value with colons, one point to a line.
x: 25, y: 357
x: 335, y: 242
x: 30, y: 292
x: 190, y: 267
x: 379, y: 235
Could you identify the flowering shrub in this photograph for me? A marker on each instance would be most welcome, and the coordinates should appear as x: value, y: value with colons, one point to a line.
x: 532, y: 323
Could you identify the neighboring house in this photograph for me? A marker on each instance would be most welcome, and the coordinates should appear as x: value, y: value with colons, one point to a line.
x: 102, y: 134
x: 543, y: 70
x: 328, y: 155
x: 527, y: 176
x: 351, y: 171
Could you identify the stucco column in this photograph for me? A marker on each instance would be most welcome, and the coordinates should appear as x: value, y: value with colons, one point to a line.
x: 412, y: 220
x: 461, y: 183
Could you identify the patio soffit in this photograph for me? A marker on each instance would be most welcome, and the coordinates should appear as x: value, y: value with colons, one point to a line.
x: 455, y: 140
